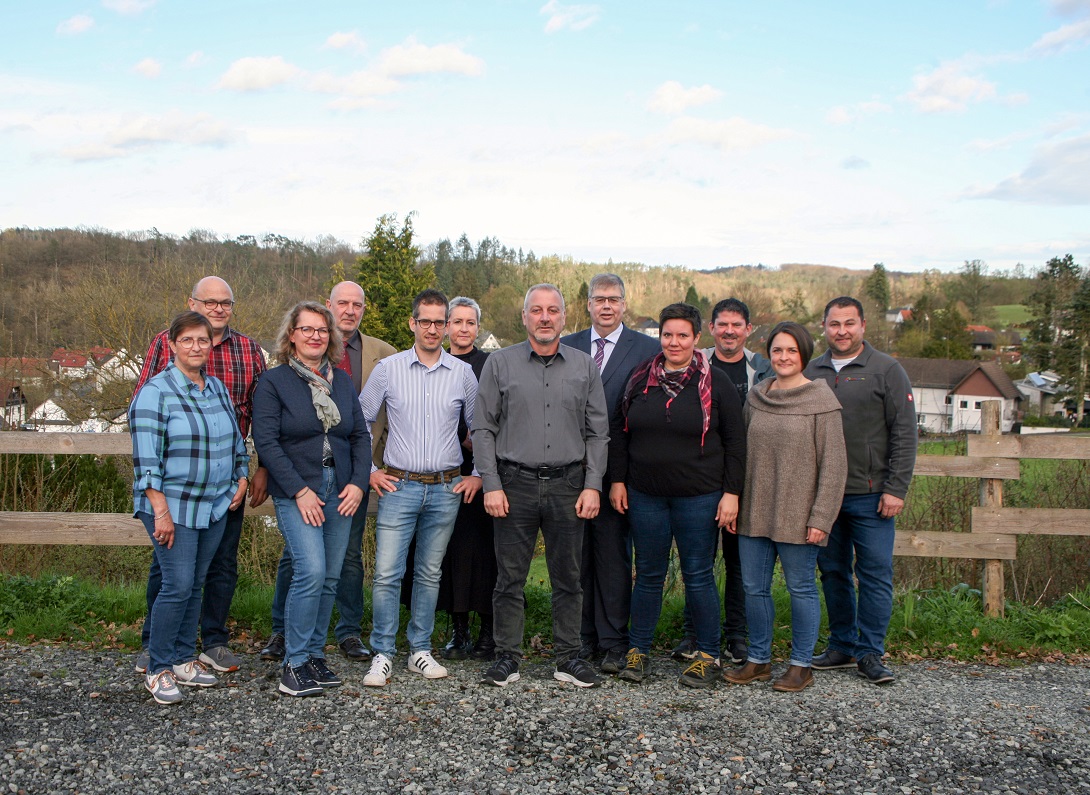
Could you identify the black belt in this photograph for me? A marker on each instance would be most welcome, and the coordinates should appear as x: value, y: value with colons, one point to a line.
x: 427, y: 478
x: 543, y: 473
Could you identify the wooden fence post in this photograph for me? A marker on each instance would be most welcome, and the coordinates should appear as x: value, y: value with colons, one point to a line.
x: 991, y: 496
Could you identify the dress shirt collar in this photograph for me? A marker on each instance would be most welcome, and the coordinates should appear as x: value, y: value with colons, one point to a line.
x: 613, y: 336
x: 443, y: 360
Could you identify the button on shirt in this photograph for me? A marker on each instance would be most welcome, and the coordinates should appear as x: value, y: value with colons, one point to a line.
x: 186, y: 444
x: 540, y: 414
x: 423, y: 405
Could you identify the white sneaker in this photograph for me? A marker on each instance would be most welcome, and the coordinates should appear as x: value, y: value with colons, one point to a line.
x: 379, y: 675
x: 194, y: 674
x: 423, y: 663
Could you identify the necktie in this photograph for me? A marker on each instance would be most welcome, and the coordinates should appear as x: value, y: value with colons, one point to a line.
x: 600, y: 353
x: 345, y: 363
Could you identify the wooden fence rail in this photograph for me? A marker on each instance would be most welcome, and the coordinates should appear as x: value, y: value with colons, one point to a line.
x: 993, y: 458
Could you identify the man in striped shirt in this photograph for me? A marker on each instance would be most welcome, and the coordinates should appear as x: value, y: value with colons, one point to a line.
x: 237, y: 361
x: 420, y: 487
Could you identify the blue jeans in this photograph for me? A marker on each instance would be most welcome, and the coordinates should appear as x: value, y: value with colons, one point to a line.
x: 690, y: 523
x: 797, y: 561
x: 219, y: 586
x: 427, y: 512
x: 177, y: 608
x: 349, y: 598
x: 316, y: 557
x: 858, y: 627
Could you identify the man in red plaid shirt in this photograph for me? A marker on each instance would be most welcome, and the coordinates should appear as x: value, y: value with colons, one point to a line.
x: 237, y: 361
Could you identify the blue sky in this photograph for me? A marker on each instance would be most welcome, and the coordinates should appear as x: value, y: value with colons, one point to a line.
x: 701, y: 134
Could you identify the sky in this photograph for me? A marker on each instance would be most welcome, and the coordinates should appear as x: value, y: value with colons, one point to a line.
x: 699, y: 134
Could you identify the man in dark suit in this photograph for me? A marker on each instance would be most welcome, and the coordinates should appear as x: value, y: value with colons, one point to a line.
x: 607, y: 556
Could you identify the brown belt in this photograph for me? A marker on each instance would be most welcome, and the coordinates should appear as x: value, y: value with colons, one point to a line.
x: 427, y: 478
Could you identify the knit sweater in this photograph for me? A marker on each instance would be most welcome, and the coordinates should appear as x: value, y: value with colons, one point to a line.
x: 796, y: 462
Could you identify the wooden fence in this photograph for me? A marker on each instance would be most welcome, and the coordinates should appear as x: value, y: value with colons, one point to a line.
x: 992, y: 458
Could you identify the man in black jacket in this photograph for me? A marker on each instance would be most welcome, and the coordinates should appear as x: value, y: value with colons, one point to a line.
x: 607, y: 556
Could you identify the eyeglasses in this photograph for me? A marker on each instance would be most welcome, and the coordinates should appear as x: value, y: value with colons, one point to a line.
x: 310, y: 331
x: 602, y: 300
x: 193, y: 342
x: 211, y: 303
x: 427, y: 325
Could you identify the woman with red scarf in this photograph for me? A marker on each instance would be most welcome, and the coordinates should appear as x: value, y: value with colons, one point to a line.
x: 677, y: 462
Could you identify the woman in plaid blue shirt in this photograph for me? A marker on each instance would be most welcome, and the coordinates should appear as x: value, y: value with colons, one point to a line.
x: 190, y: 466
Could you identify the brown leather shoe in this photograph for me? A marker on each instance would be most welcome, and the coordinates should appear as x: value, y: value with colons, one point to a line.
x: 748, y: 673
x: 795, y: 678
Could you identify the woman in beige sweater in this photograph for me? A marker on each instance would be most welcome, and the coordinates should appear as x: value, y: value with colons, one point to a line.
x: 796, y: 465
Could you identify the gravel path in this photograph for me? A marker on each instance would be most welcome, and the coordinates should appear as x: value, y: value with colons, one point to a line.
x: 80, y: 721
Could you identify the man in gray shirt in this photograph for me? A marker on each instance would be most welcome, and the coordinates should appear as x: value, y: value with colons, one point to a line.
x: 540, y: 434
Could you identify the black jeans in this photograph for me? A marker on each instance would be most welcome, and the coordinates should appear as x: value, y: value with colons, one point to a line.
x: 606, y: 579
x: 548, y: 505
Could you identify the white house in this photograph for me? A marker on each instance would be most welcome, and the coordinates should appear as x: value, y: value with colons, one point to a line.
x: 949, y: 393
x: 51, y: 416
x: 1040, y: 391
x: 489, y: 343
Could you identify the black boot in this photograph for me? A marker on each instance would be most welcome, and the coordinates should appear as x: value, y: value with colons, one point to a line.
x: 485, y: 647
x: 460, y: 642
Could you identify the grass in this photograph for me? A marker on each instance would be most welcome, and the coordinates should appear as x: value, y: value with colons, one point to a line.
x: 926, y: 624
x: 1011, y: 314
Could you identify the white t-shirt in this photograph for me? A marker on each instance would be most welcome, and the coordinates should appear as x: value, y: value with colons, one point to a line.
x: 838, y: 363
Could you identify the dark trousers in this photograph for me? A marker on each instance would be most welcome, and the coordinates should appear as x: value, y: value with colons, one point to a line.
x: 606, y: 579
x: 548, y: 505
x: 734, y: 594
x: 219, y: 586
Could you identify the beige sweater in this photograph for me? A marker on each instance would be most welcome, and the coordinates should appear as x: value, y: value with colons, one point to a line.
x: 796, y: 462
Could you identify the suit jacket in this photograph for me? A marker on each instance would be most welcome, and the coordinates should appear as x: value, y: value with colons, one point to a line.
x: 631, y: 349
x: 365, y: 355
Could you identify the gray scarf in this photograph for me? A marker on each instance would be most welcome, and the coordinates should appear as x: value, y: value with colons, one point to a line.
x: 321, y: 387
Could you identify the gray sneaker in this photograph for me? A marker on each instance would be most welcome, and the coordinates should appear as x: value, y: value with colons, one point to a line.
x: 143, y: 660
x: 221, y: 658
x: 163, y: 688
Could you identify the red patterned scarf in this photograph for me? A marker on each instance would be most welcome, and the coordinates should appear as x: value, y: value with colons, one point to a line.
x: 672, y: 383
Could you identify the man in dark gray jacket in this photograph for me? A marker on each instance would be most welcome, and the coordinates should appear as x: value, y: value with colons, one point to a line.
x: 880, y: 433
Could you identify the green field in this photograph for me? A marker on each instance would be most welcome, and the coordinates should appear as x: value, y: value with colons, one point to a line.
x: 1011, y: 314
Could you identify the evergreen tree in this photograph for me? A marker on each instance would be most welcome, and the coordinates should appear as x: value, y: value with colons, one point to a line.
x: 391, y: 278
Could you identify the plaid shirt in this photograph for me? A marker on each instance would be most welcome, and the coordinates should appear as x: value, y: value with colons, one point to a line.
x: 236, y: 360
x: 186, y: 444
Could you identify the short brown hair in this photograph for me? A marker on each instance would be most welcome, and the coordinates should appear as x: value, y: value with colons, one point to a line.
x: 797, y: 332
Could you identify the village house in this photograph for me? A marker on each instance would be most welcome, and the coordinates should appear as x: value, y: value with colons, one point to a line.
x: 949, y: 393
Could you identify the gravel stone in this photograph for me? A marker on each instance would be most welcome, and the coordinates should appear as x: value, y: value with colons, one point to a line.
x: 74, y: 720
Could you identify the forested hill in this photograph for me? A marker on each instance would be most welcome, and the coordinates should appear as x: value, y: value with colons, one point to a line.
x: 82, y: 287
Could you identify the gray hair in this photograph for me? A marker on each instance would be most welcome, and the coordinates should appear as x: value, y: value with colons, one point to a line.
x: 543, y: 286
x: 605, y: 280
x: 461, y: 300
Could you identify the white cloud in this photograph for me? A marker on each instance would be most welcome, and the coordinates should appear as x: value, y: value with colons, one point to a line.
x: 854, y: 162
x: 357, y: 90
x: 120, y: 138
x: 727, y: 134
x: 414, y: 58
x: 846, y: 114
x: 345, y: 41
x: 1058, y: 174
x: 948, y: 88
x: 149, y: 67
x: 672, y: 98
x: 256, y: 74
x: 1069, y: 37
x: 1070, y: 6
x: 195, y: 59
x: 128, y: 6
x: 571, y: 17
x: 76, y: 25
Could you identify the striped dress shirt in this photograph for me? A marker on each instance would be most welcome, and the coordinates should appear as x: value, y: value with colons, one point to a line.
x: 186, y: 444
x: 423, y: 405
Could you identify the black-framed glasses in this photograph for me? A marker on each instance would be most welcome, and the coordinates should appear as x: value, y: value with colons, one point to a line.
x: 439, y: 325
x: 211, y: 303
x: 310, y: 331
